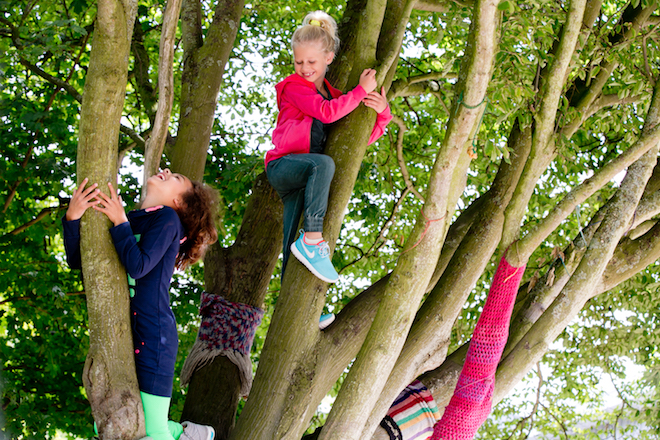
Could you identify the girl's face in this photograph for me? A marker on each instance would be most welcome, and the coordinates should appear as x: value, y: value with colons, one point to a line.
x: 167, y: 188
x: 311, y: 62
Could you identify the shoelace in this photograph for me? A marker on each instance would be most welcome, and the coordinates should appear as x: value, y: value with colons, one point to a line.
x: 324, y: 249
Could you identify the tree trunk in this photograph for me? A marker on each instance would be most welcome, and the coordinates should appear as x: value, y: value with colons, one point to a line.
x: 109, y: 374
x: 239, y: 274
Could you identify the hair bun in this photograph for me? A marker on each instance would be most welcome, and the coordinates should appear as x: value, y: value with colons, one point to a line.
x: 317, y: 26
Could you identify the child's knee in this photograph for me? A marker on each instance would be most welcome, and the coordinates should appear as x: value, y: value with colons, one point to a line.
x: 330, y: 164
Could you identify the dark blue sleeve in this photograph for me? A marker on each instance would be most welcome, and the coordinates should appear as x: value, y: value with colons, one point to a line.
x: 71, y: 233
x: 139, y: 258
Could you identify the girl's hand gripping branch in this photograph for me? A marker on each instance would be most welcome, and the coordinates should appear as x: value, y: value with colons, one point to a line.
x: 112, y: 206
x: 376, y: 101
x: 368, y: 80
x: 82, y: 199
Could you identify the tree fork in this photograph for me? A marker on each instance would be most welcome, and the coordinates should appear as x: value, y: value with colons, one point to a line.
x: 204, y: 66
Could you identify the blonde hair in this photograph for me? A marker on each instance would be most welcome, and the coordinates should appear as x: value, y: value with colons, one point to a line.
x: 317, y: 27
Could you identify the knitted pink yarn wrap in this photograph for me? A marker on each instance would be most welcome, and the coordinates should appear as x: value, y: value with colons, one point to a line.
x: 471, y: 403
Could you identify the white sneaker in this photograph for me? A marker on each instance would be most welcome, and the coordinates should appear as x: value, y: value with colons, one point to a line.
x: 193, y: 431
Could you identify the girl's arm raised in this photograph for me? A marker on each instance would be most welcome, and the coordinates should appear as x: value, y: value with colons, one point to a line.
x: 139, y: 258
x: 81, y: 199
x: 311, y: 103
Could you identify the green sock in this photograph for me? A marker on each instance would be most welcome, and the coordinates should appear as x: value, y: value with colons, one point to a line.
x: 156, y: 410
x: 176, y: 429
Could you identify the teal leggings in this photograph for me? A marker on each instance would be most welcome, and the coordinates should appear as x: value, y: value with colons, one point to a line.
x: 156, y: 409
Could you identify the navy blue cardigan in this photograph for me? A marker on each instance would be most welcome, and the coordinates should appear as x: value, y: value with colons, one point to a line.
x: 147, y: 246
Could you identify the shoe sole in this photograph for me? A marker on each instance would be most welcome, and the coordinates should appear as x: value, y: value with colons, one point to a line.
x: 309, y: 265
x: 326, y: 322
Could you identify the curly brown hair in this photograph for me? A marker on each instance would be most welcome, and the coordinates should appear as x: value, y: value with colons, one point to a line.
x: 197, y: 214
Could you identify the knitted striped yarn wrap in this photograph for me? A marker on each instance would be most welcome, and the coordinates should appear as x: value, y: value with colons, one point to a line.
x: 471, y: 403
x: 227, y: 329
x: 412, y: 415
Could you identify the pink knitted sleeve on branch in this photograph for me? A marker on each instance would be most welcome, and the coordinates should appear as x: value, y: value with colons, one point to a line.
x: 471, y: 403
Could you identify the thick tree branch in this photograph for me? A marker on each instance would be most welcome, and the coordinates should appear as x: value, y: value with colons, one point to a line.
x: 582, y: 283
x: 141, y: 72
x: 580, y: 193
x: 204, y: 66
x: 109, y: 375
x: 156, y: 142
x: 648, y: 208
x: 371, y: 22
x: 389, y: 43
x: 630, y: 257
x: 400, y: 302
x: 544, y: 121
x: 191, y: 27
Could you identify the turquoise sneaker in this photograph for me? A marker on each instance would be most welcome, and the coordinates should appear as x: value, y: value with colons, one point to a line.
x: 316, y: 258
x: 326, y: 320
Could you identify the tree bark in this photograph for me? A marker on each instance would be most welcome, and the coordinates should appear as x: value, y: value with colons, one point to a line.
x: 153, y: 150
x: 241, y: 274
x: 204, y: 65
x: 581, y: 285
x: 109, y: 374
x: 409, y: 280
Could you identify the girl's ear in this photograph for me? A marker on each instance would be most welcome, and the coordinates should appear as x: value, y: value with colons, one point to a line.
x: 329, y: 57
x: 178, y: 204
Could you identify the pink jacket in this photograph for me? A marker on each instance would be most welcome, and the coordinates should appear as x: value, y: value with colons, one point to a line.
x: 300, y: 104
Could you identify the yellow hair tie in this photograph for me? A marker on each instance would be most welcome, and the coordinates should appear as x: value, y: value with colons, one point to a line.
x: 315, y: 23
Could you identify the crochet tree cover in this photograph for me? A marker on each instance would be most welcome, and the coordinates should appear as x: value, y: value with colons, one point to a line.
x: 471, y: 403
x: 227, y: 329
